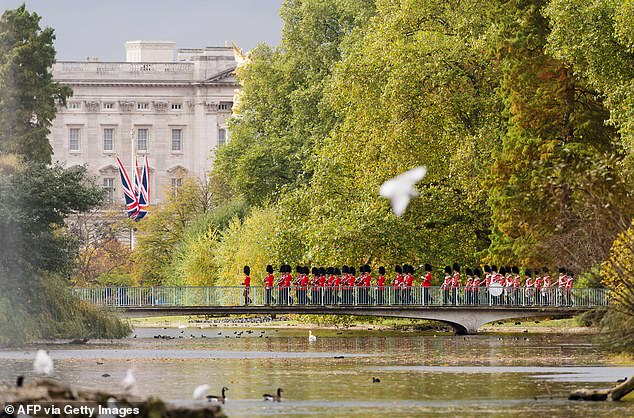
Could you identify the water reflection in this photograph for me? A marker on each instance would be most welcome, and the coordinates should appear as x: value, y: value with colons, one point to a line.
x: 420, y: 375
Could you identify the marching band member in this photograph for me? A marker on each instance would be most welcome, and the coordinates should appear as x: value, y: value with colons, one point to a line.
x: 569, y: 283
x: 268, y: 284
x: 446, y: 285
x: 468, y: 286
x: 476, y: 285
x: 426, y: 284
x: 397, y: 284
x: 528, y: 286
x: 455, y: 283
x: 247, y: 285
x: 380, y: 286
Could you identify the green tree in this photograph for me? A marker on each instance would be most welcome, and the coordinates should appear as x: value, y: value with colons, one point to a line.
x: 28, y: 95
x: 596, y: 38
x: 414, y: 87
x: 558, y: 194
x: 282, y: 115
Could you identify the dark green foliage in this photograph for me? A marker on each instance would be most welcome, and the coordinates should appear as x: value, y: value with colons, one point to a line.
x: 559, y: 195
x: 34, y: 201
x: 28, y: 95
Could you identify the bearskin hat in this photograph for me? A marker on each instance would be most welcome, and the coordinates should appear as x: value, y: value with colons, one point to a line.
x: 269, y: 269
x: 448, y: 269
x: 477, y: 272
x: 487, y: 269
x: 545, y: 269
x: 398, y: 269
x: 381, y: 270
x: 337, y: 271
x: 344, y: 269
x: 427, y: 267
x: 469, y: 272
x: 562, y: 269
x: 247, y: 270
x: 456, y: 267
x: 322, y: 271
x: 298, y: 269
x: 502, y: 271
x: 352, y: 271
x: 527, y: 273
x: 315, y: 271
x: 494, y: 268
x: 368, y: 269
x: 515, y: 270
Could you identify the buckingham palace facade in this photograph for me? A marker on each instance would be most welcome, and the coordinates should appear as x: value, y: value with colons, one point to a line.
x: 171, y: 106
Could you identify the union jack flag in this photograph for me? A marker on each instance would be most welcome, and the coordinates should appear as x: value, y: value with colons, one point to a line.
x: 137, y: 195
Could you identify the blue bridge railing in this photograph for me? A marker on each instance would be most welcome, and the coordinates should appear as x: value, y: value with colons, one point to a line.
x: 227, y: 296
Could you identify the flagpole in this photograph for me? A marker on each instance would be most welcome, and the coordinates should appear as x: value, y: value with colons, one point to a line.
x: 133, y: 168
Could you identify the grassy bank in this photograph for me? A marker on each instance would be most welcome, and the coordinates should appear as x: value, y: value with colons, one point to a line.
x: 46, y: 309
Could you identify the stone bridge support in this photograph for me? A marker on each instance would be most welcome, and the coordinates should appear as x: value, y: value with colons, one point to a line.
x: 466, y: 320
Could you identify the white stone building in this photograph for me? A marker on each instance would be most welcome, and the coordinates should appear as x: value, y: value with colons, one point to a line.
x: 177, y: 109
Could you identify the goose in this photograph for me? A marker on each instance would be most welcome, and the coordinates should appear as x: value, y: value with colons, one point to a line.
x: 128, y: 381
x: 43, y: 363
x: 274, y: 398
x: 200, y: 391
x: 311, y: 337
x: 215, y: 398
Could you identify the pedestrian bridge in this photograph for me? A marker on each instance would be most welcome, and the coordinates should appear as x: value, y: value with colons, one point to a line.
x: 465, y: 310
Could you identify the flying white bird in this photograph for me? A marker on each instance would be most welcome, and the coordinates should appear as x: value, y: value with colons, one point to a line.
x: 128, y: 381
x: 43, y: 363
x: 200, y: 392
x: 311, y: 337
x: 400, y: 189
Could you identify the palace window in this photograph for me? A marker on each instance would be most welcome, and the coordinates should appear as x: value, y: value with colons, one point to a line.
x: 222, y: 137
x: 73, y: 105
x: 142, y: 106
x: 108, y: 105
x: 74, y: 139
x: 177, y: 140
x: 225, y: 106
x: 143, y: 136
x: 108, y: 139
x: 108, y: 186
x: 177, y: 106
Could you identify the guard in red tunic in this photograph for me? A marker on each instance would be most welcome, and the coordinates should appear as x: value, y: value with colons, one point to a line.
x: 446, y: 285
x: 408, y: 284
x: 396, y: 284
x: 352, y: 279
x: 247, y: 285
x: 468, y: 286
x: 570, y: 282
x: 475, y: 286
x: 455, y: 284
x: 380, y: 286
x: 538, y: 285
x: 546, y: 286
x: 426, y: 283
x: 269, y: 281
x: 561, y: 286
x: 314, y: 292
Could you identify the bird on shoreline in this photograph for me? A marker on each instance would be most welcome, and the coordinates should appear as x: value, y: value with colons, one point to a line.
x: 311, y: 337
x: 128, y: 381
x: 43, y: 363
x: 274, y: 398
x: 215, y: 398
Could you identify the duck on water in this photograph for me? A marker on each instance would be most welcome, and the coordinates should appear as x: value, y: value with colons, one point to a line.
x: 274, y: 398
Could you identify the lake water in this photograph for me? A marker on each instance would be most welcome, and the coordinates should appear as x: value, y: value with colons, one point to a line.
x: 420, y: 375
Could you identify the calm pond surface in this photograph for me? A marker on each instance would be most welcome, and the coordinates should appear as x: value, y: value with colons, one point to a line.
x: 420, y: 375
